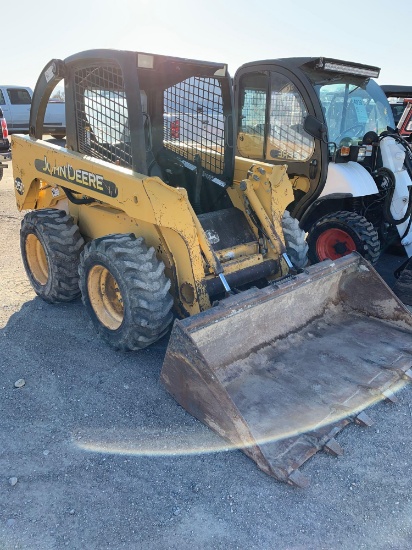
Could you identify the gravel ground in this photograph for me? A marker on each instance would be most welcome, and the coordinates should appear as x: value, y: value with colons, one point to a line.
x: 95, y: 454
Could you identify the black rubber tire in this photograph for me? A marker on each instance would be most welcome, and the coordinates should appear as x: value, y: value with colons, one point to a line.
x: 295, y: 241
x: 54, y: 235
x: 1, y: 174
x: 142, y: 290
x: 361, y: 231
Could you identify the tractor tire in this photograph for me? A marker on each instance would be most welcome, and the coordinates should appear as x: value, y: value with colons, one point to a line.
x: 50, y: 245
x: 295, y: 242
x: 340, y: 233
x: 125, y: 291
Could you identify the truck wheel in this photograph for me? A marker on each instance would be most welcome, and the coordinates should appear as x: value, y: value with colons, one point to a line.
x: 295, y: 242
x: 125, y: 291
x: 340, y: 233
x: 50, y: 245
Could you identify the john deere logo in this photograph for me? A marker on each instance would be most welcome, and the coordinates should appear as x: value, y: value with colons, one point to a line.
x: 84, y: 178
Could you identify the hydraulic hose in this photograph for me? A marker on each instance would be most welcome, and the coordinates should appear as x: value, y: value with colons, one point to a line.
x: 70, y: 195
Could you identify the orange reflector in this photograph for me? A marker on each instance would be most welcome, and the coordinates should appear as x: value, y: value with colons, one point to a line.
x: 4, y: 128
x: 344, y: 151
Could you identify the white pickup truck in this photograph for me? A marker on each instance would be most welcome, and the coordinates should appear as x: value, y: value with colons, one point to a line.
x: 15, y: 102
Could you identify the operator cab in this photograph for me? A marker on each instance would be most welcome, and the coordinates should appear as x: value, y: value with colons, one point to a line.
x: 307, y: 112
x: 156, y: 115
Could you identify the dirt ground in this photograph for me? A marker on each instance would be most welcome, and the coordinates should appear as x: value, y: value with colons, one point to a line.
x: 95, y: 454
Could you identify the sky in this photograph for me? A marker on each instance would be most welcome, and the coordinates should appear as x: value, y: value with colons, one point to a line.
x: 227, y: 31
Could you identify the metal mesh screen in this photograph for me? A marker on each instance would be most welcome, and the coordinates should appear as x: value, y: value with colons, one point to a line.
x: 101, y: 114
x: 194, y: 121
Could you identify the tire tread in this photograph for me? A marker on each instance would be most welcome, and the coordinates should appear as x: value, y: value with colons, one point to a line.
x: 62, y: 242
x: 357, y: 223
x: 147, y: 287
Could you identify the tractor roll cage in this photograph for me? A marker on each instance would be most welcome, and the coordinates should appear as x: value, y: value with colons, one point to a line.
x: 131, y: 73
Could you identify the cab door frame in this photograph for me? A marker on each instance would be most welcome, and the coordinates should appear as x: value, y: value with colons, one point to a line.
x: 315, y: 168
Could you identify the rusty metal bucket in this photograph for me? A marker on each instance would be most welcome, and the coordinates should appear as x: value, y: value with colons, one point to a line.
x: 403, y: 285
x: 280, y: 371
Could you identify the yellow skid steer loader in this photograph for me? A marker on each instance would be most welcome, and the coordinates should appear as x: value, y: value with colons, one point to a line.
x: 142, y: 213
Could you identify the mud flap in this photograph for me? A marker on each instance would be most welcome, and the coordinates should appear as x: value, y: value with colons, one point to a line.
x: 279, y: 371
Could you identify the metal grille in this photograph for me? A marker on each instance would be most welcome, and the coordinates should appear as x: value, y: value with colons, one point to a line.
x: 194, y: 121
x: 101, y: 114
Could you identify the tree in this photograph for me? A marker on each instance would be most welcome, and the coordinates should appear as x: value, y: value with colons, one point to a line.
x: 58, y: 95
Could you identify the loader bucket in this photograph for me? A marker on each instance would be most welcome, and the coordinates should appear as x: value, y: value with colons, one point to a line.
x: 403, y: 285
x: 279, y: 371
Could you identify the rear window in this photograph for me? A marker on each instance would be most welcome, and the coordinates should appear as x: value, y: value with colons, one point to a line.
x: 19, y: 96
x: 194, y: 122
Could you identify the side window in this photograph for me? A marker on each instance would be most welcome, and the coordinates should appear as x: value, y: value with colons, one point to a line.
x: 194, y: 122
x: 251, y: 123
x: 287, y: 140
x: 282, y: 136
x: 102, y: 120
x: 2, y: 100
x: 19, y: 96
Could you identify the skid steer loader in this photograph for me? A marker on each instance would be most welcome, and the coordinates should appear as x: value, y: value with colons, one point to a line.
x: 143, y: 213
x: 333, y: 127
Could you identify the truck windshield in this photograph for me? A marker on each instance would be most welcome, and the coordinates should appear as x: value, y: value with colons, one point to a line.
x: 351, y: 111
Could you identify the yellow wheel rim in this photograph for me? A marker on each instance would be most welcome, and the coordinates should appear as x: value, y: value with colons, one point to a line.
x: 105, y: 297
x: 36, y: 259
